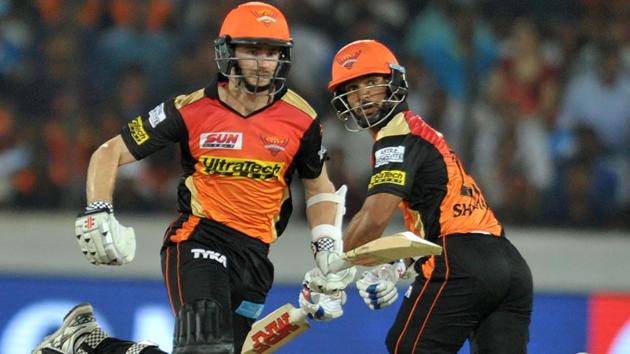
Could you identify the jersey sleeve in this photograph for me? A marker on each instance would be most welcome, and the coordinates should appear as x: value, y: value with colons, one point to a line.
x: 311, y: 156
x: 396, y: 161
x: 150, y: 132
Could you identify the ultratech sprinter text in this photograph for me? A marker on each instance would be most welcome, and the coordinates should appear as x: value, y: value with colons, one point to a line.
x: 239, y: 167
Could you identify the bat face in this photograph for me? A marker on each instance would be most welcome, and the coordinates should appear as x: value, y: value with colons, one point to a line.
x: 388, y: 249
x: 275, y: 330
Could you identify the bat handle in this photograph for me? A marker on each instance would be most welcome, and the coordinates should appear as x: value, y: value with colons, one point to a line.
x: 297, y: 316
x: 339, y: 264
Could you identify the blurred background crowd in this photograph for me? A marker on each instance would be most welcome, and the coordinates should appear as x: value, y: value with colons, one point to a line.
x: 534, y: 95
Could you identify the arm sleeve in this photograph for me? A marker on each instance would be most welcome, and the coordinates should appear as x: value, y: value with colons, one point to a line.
x: 150, y: 132
x: 396, y: 161
x: 311, y: 156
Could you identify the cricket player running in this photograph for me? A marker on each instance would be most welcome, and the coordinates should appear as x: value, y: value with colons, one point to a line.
x: 480, y: 288
x: 241, y: 140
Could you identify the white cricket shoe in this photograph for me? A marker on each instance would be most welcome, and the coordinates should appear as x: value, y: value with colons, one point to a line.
x: 77, y: 323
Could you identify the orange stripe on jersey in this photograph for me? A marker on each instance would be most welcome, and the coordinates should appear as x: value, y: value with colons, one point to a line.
x: 412, y: 219
x: 179, y: 277
x: 167, y: 277
x: 184, y: 232
x: 464, y: 208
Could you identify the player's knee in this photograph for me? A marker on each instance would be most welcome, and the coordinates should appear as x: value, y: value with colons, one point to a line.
x: 204, y: 327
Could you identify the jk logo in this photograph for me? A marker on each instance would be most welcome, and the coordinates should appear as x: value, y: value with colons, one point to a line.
x: 211, y: 255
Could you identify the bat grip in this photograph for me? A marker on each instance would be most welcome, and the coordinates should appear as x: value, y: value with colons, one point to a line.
x: 297, y: 316
x: 338, y: 265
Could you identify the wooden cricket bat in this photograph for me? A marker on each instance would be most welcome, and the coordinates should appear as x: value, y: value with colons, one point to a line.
x: 275, y: 330
x: 285, y: 323
x: 387, y: 249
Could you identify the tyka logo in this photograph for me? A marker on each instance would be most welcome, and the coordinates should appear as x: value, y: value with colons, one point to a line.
x: 211, y: 255
x: 348, y: 60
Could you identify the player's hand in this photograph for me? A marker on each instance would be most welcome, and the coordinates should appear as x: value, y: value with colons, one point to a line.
x: 330, y: 261
x: 330, y: 283
x: 377, y: 286
x: 102, y: 239
x: 322, y: 307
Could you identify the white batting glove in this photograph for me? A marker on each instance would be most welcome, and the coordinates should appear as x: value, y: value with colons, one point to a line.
x: 330, y: 283
x: 102, y: 239
x: 377, y: 286
x: 322, y: 307
x: 330, y: 261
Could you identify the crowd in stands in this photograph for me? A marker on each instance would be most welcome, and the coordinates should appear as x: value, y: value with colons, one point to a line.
x: 534, y: 95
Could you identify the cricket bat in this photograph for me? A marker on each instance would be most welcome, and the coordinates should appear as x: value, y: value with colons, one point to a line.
x: 287, y: 322
x: 387, y: 249
x: 275, y: 330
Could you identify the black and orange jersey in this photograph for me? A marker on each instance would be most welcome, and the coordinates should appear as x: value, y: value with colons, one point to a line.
x: 237, y: 170
x: 413, y: 161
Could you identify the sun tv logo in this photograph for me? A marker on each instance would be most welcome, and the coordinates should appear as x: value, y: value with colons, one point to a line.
x: 221, y: 140
x: 267, y: 17
x: 348, y: 60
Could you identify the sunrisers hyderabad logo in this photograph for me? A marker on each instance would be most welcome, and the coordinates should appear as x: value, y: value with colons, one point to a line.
x: 347, y: 61
x: 267, y: 17
x: 233, y: 167
x: 388, y: 176
x: 274, y: 144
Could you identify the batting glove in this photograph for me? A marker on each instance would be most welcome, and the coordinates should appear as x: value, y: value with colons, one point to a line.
x: 101, y: 238
x: 377, y: 286
x: 322, y: 307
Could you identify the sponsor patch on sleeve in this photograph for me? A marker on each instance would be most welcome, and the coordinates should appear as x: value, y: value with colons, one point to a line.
x: 157, y: 115
x: 388, y: 155
x: 388, y: 176
x: 136, y: 128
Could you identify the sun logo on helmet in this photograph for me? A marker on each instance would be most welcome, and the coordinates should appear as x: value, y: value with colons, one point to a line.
x: 347, y: 61
x: 267, y: 17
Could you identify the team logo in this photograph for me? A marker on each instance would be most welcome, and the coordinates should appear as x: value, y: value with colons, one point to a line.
x: 136, y: 128
x: 221, y: 140
x: 233, y: 167
x: 274, y: 144
x: 389, y: 155
x: 347, y: 61
x: 157, y: 115
x: 388, y: 176
x: 267, y: 17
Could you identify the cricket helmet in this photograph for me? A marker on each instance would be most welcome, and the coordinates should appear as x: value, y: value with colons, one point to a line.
x: 254, y: 23
x: 362, y: 58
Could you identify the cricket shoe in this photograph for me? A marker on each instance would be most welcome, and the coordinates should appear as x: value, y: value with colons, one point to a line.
x: 77, y: 324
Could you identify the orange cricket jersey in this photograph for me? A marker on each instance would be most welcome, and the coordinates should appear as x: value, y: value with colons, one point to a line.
x: 237, y: 170
x: 414, y: 161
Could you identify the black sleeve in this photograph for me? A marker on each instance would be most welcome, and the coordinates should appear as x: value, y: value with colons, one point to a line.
x: 396, y: 161
x: 146, y: 134
x: 309, y: 160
